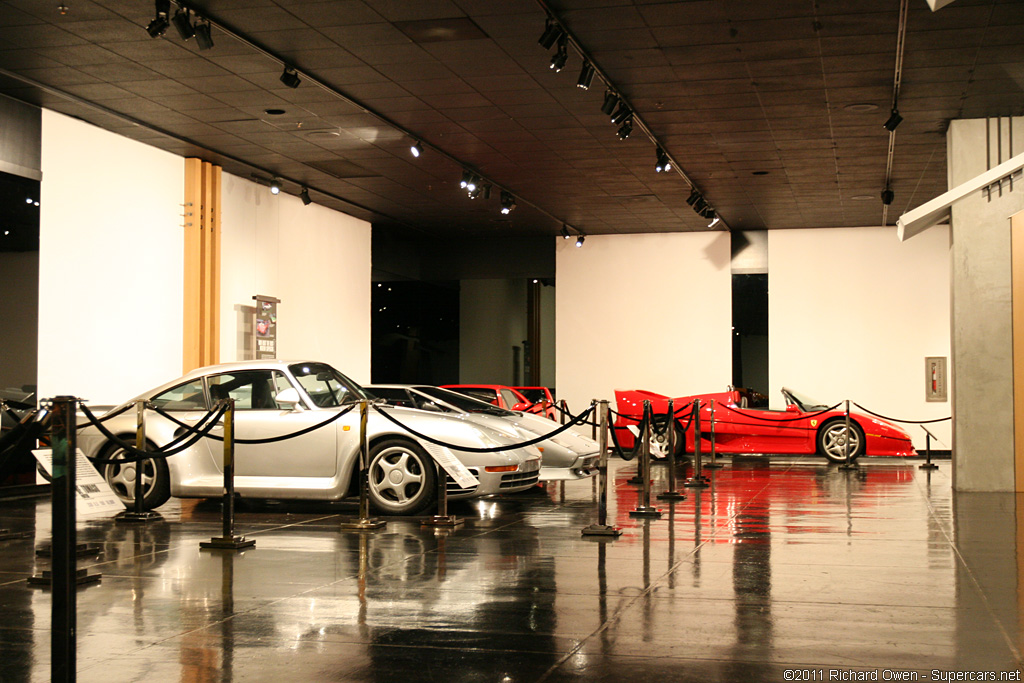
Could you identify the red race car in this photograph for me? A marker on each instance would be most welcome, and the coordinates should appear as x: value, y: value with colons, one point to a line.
x: 540, y: 396
x: 805, y: 427
x: 501, y: 396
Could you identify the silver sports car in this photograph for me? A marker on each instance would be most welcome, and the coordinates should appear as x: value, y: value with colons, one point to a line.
x: 275, y: 398
x: 567, y: 455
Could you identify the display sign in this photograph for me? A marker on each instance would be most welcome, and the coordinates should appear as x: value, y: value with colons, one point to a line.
x: 93, y: 496
x: 264, y: 327
x: 453, y: 466
x: 935, y: 379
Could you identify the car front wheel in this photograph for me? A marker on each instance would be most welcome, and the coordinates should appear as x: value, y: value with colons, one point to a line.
x: 832, y: 438
x: 402, y: 477
x: 156, y: 480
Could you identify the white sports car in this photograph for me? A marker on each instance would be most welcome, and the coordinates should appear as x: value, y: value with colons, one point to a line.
x: 568, y: 455
x: 275, y: 398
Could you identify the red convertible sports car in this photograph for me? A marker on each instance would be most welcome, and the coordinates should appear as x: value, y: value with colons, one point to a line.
x: 805, y: 427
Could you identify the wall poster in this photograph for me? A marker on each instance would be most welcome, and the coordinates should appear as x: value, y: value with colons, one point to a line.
x: 935, y: 379
x: 264, y: 328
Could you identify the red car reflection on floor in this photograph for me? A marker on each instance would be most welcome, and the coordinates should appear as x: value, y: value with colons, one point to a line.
x: 805, y: 427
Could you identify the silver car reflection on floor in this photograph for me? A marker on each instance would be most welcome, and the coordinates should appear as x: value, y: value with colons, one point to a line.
x: 274, y: 398
x: 568, y: 455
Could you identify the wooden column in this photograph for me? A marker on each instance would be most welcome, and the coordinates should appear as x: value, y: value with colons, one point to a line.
x: 201, y: 290
x: 1017, y: 296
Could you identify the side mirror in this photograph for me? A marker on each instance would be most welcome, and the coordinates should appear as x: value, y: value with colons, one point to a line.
x: 289, y: 399
x: 792, y: 408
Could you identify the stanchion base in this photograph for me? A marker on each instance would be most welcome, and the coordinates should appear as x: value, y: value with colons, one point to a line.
x: 132, y: 517
x: 646, y: 512
x: 635, y: 480
x: 81, y: 550
x: 228, y: 543
x: 443, y: 521
x: 696, y: 483
x: 602, y: 530
x: 8, y: 535
x: 45, y: 580
x: 671, y: 495
x: 926, y: 466
x: 363, y: 525
x: 849, y: 466
x: 713, y: 465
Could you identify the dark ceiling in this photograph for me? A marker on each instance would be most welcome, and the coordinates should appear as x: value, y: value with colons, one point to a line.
x: 773, y: 109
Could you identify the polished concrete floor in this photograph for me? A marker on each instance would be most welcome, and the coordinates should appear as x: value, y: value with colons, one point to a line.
x: 788, y: 569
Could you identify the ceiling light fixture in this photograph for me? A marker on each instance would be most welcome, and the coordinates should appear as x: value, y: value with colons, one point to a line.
x: 275, y: 186
x: 887, y: 196
x: 552, y: 32
x: 714, y: 221
x: 611, y: 100
x: 561, y: 55
x: 586, y: 76
x: 508, y: 202
x: 626, y: 128
x: 159, y: 25
x: 466, y: 177
x: 622, y: 114
x: 472, y: 184
x: 565, y: 232
x: 204, y: 40
x: 893, y: 120
x: 183, y: 23
x: 694, y: 196
x: 416, y: 149
x: 486, y: 190
x: 579, y: 240
x: 290, y: 78
x: 304, y: 196
x: 663, y: 163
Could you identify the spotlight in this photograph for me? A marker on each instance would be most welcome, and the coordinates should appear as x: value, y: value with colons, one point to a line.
x: 416, y: 149
x: 182, y: 22
x: 472, y: 184
x: 694, y: 196
x: 663, y: 163
x: 275, y: 186
x: 707, y: 212
x: 203, y: 37
x: 626, y: 128
x: 159, y: 25
x: 304, y: 196
x: 561, y: 56
x: 579, y: 240
x: 508, y: 202
x: 466, y: 177
x: 552, y: 32
x: 487, y: 190
x: 290, y: 78
x: 586, y: 76
x: 893, y: 120
x: 610, y: 102
x: 565, y: 232
x: 475, y: 192
x: 622, y: 114
x: 887, y: 196
x: 714, y: 221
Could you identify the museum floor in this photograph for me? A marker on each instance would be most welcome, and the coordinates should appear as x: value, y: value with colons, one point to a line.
x: 788, y: 564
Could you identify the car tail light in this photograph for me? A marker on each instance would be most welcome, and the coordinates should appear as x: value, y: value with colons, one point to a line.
x: 501, y: 468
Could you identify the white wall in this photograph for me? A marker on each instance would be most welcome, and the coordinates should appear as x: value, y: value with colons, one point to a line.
x: 316, y: 260
x: 19, y: 311
x: 110, y: 271
x: 852, y: 313
x: 492, y: 319
x: 650, y: 311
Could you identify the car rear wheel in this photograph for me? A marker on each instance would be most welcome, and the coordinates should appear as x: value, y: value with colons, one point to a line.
x: 659, y: 440
x: 832, y: 439
x: 402, y: 477
x: 156, y: 479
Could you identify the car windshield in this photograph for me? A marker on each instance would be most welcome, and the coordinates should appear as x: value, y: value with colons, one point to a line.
x: 466, y: 404
x: 326, y: 386
x: 803, y: 402
x: 534, y: 395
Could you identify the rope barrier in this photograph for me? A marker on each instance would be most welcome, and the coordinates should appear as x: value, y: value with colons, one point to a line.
x: 469, y: 449
x: 268, y: 439
x: 589, y: 423
x: 135, y: 453
x: 109, y: 416
x: 779, y: 419
x: 908, y: 422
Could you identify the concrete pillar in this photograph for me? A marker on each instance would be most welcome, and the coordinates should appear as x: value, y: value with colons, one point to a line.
x: 982, y: 302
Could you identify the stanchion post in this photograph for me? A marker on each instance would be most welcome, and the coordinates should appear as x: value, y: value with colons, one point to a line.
x: 365, y: 522
x: 697, y: 480
x: 563, y: 409
x: 714, y: 464
x: 643, y: 508
x: 928, y: 464
x: 138, y: 513
x: 593, y: 423
x: 671, y: 493
x: 602, y: 528
x: 848, y: 465
x: 63, y: 573
x: 228, y: 540
x: 442, y: 519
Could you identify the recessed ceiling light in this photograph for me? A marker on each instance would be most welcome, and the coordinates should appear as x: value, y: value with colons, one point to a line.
x: 861, y: 107
x: 759, y: 172
x: 274, y: 112
x: 862, y: 198
x: 323, y: 134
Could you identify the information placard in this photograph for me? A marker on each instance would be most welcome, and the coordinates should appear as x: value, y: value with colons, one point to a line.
x: 935, y: 379
x: 453, y: 466
x: 93, y: 496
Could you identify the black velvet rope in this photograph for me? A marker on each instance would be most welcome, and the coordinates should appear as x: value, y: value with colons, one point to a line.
x: 908, y: 422
x: 269, y: 439
x: 589, y: 423
x: 134, y: 454
x: 108, y: 416
x: 781, y: 419
x: 471, y: 449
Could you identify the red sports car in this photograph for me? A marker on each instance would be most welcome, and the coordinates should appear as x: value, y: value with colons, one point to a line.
x: 542, y: 398
x: 498, y: 395
x: 805, y: 427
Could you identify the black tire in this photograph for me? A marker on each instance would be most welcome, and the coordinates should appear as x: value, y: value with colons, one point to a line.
x: 832, y: 440
x: 156, y: 479
x: 659, y: 421
x: 402, y: 478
